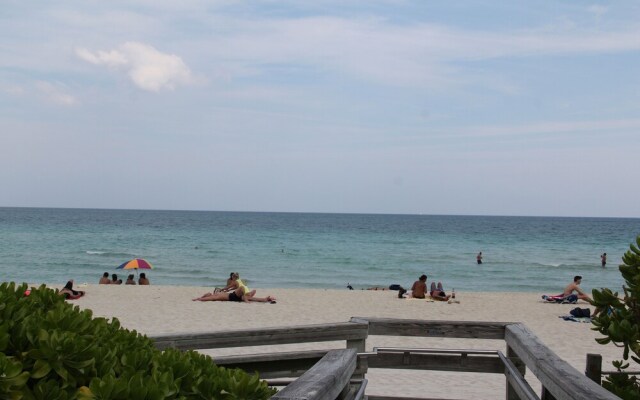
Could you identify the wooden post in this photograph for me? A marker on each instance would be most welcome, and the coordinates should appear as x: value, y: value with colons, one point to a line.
x: 593, y: 369
x: 357, y: 344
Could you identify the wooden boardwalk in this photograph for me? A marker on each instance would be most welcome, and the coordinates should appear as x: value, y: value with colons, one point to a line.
x: 341, y: 374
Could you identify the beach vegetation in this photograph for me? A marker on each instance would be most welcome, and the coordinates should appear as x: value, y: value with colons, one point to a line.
x: 619, y: 322
x: 50, y: 349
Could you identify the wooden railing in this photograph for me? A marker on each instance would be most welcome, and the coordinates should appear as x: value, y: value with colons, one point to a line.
x: 341, y: 372
x: 594, y: 371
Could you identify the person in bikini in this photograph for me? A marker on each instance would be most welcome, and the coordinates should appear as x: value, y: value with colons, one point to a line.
x: 236, y: 295
x: 419, y: 288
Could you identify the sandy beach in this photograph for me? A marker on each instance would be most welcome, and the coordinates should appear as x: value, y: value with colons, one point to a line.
x: 169, y: 309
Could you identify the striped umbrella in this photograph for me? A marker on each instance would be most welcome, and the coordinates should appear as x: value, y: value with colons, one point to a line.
x: 136, y: 263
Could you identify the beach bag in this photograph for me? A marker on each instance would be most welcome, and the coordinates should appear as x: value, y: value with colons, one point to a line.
x: 580, y: 312
x: 395, y: 287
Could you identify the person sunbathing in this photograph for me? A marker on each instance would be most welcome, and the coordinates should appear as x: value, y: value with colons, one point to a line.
x: 237, y: 295
x: 419, y: 288
x: 68, y: 292
x: 567, y: 296
x: 575, y: 287
x: 437, y: 292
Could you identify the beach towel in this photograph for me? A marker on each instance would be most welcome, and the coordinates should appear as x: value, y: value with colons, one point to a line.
x: 560, y: 299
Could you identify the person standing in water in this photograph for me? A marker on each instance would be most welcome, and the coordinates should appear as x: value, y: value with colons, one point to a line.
x: 479, y: 258
x: 603, y: 258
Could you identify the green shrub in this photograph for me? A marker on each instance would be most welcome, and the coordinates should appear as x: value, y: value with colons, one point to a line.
x: 50, y: 349
x: 620, y: 324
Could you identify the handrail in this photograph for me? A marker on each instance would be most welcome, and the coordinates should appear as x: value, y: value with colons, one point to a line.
x: 349, y: 331
x: 431, y: 351
x: 522, y: 387
x: 325, y: 380
x: 556, y: 375
x: 360, y: 393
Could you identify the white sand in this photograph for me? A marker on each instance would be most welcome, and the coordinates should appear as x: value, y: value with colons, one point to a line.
x: 165, y: 309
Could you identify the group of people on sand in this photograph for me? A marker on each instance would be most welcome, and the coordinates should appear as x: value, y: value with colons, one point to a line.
x: 235, y: 290
x: 419, y: 291
x: 142, y: 280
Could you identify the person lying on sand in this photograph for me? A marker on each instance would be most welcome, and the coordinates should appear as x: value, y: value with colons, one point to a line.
x: 437, y: 292
x: 68, y: 292
x: 237, y: 295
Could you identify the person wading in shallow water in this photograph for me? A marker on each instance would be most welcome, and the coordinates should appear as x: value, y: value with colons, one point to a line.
x: 603, y: 258
x: 479, y: 258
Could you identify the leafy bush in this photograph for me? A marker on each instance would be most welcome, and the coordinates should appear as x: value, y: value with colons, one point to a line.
x: 50, y: 349
x: 619, y: 322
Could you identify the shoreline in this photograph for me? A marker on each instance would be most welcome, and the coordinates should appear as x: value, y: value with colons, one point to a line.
x: 169, y: 309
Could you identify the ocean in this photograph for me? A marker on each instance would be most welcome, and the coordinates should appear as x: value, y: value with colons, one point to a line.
x: 307, y: 250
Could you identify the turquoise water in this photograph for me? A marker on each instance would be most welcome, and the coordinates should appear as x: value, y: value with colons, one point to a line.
x: 313, y: 250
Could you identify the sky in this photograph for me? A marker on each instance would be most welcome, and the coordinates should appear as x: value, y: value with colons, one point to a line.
x: 379, y: 106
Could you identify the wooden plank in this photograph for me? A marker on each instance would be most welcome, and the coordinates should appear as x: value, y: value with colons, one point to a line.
x: 517, y: 387
x: 374, y: 397
x: 427, y: 328
x: 282, y: 364
x: 558, y: 377
x: 511, y: 392
x: 325, y: 381
x: 266, y: 336
x: 435, y: 362
x: 273, y: 365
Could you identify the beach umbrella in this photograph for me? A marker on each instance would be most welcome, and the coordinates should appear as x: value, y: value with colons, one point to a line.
x: 136, y: 263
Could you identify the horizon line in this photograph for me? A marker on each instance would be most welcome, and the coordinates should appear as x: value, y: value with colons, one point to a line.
x: 320, y: 212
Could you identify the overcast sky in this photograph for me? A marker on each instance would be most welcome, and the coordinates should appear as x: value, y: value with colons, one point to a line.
x: 433, y: 107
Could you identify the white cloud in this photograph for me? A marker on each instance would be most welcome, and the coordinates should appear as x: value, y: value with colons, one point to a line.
x: 56, y: 93
x: 110, y: 58
x: 148, y: 68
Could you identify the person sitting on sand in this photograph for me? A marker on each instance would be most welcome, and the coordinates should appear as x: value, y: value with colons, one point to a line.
x: 575, y: 287
x: 232, y: 283
x: 419, y: 288
x: 130, y: 280
x: 105, y: 279
x: 68, y: 292
x: 115, y: 280
x: 437, y: 292
x: 237, y: 295
x: 143, y: 279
